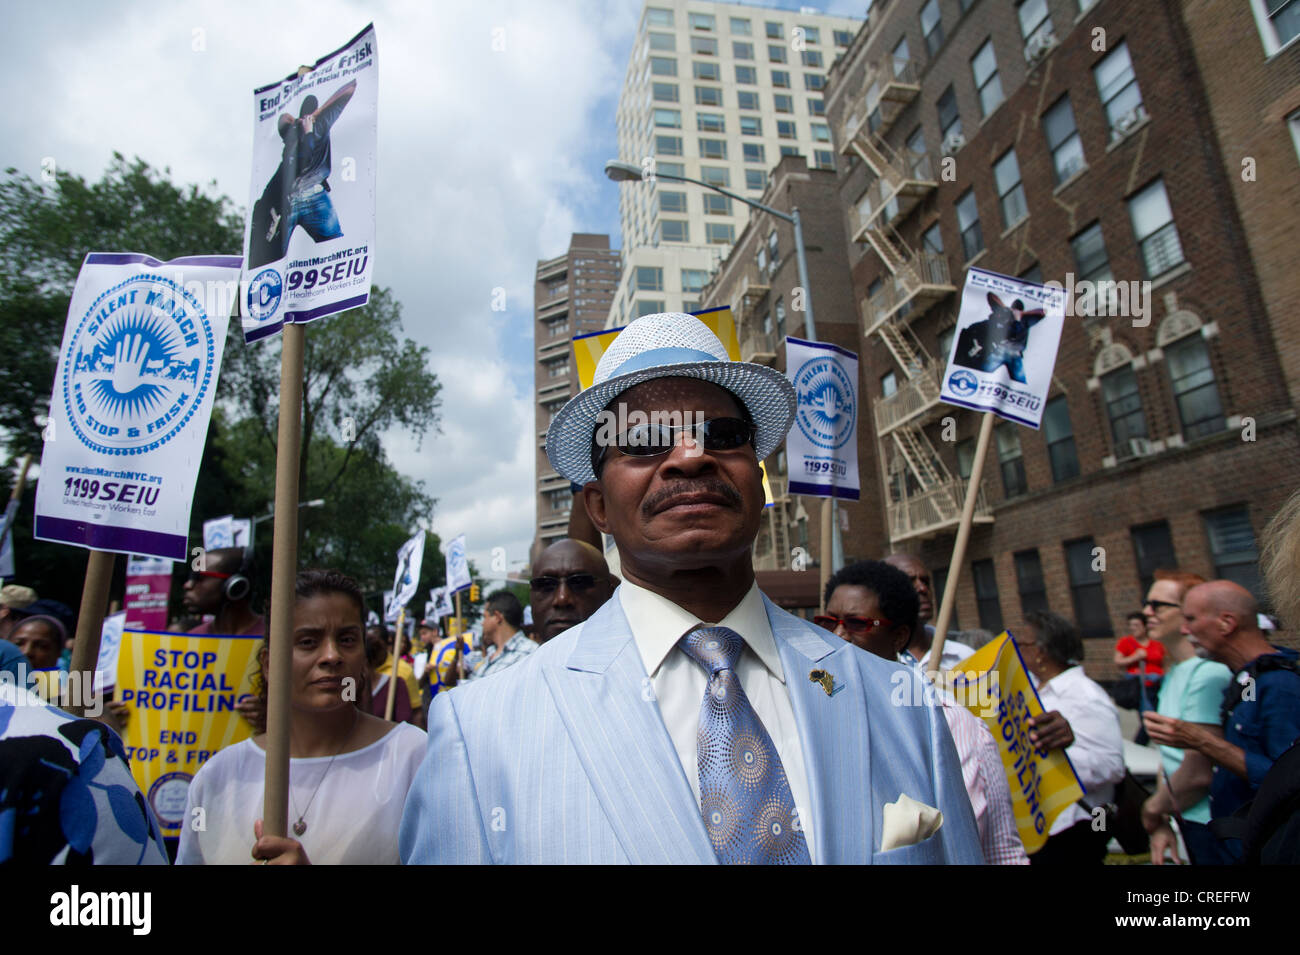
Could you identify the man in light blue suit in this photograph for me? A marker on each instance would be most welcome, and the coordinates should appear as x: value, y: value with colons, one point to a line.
x: 689, y: 719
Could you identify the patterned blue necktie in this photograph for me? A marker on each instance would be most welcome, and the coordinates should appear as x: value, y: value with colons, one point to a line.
x: 745, y: 799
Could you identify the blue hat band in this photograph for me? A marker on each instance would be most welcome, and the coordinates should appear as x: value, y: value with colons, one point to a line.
x: 663, y: 356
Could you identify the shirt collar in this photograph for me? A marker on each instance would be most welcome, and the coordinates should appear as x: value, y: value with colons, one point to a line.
x: 657, y: 624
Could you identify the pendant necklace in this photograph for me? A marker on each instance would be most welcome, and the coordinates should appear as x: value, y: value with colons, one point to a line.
x: 300, y: 826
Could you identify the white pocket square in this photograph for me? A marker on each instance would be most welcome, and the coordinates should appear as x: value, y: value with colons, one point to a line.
x: 908, y: 822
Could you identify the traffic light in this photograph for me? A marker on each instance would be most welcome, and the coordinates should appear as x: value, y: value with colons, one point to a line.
x: 473, y: 593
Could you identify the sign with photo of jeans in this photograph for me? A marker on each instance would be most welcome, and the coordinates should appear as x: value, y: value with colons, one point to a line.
x: 309, y: 235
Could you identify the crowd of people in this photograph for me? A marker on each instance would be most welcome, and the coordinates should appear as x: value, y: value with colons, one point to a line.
x: 674, y: 713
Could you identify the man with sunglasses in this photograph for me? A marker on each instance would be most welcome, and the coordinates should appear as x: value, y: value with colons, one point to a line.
x: 873, y: 605
x: 570, y: 582
x: 688, y: 719
x: 916, y: 653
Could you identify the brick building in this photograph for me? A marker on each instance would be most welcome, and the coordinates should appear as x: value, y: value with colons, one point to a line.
x: 1074, y: 140
x: 760, y: 281
x: 571, y: 296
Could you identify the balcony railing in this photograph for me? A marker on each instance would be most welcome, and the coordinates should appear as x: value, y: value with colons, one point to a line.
x: 757, y: 345
x: 891, y: 84
x: 934, y: 511
x: 914, y: 397
x: 920, y: 280
x: 900, y: 187
x: 753, y: 289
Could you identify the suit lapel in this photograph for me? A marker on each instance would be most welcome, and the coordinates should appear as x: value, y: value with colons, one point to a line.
x: 606, y: 701
x: 834, y: 734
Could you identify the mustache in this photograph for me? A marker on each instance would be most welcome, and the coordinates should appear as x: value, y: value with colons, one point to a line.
x: 708, y: 486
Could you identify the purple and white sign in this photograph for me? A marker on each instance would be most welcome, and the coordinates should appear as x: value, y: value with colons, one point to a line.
x: 133, y: 392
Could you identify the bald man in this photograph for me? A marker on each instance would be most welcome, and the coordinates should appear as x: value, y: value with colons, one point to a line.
x: 571, y: 581
x: 1261, y: 707
x: 917, y: 652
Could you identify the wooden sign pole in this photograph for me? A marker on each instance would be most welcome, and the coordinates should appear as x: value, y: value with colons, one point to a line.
x: 6, y: 521
x: 284, y: 571
x: 90, y: 626
x: 959, y: 546
x: 397, y: 659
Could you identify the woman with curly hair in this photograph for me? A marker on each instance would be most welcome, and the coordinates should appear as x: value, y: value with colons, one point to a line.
x: 348, y: 770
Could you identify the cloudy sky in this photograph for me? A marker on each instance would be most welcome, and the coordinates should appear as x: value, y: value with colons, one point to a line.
x: 488, y: 160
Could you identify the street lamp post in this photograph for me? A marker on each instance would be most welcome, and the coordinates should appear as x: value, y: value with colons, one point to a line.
x: 252, y: 533
x: 620, y: 171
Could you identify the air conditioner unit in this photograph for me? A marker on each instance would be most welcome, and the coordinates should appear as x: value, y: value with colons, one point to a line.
x: 1139, y: 447
x: 1039, y: 45
x: 1127, y: 122
x: 952, y: 143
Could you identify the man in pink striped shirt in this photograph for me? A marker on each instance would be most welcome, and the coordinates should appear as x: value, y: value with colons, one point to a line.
x: 873, y: 606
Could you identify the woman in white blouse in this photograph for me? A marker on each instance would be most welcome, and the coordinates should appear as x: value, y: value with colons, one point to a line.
x: 348, y: 771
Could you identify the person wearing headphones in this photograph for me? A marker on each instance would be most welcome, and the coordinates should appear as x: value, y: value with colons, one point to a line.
x: 223, y: 589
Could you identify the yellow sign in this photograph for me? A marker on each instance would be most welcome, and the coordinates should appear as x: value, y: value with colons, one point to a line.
x: 1041, y: 785
x: 181, y: 689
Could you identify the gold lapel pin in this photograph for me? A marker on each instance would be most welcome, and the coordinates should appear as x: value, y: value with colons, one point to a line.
x: 825, y: 679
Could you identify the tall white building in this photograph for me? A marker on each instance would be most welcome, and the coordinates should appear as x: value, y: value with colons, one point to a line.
x: 717, y: 92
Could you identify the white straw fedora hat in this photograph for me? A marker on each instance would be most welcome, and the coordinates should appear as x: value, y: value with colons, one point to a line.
x: 668, y: 345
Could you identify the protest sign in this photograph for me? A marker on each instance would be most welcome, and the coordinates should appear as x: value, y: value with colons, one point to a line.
x: 218, y: 532
x: 410, y: 559
x: 1003, y: 353
x: 181, y: 690
x: 110, y: 642
x: 148, y: 587
x: 133, y: 393
x: 822, y: 449
x: 457, y: 565
x: 309, y: 235
x: 1042, y: 785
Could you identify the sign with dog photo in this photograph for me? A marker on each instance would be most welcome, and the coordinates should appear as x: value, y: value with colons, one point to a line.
x: 1002, y: 356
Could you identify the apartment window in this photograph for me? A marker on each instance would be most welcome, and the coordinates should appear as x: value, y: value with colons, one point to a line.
x: 932, y: 26
x: 747, y: 75
x: 671, y: 118
x: 751, y: 126
x: 716, y: 176
x: 755, y: 180
x: 776, y: 53
x: 1034, y: 19
x: 753, y: 152
x: 774, y: 251
x: 1029, y: 581
x: 774, y: 30
x: 888, y: 384
x: 811, y: 35
x: 658, y: 16
x: 1059, y: 434
x: 984, y: 67
x: 945, y: 344
x: 812, y: 59
x: 1063, y: 140
x: 824, y: 159
x: 783, y: 102
x: 1090, y: 255
x: 1011, y: 459
x: 719, y: 233
x: 1090, y: 610
x: 1119, y: 391
x: 1153, y: 549
x: 1232, y: 547
x: 673, y: 230
x: 1195, y: 391
x: 814, y: 82
x: 708, y: 96
x: 1118, y: 87
x: 558, y: 370
x: 932, y: 240
x: 821, y: 132
x: 713, y: 148
x: 740, y: 26
x: 704, y: 45
x: 1011, y: 191
x: 649, y: 306
x: 780, y: 312
x: 747, y: 99
x: 1293, y: 121
x: 781, y: 79
x: 670, y: 168
x: 693, y: 280
x: 663, y: 41
x: 968, y: 221
x: 666, y: 92
x: 710, y: 123
x: 817, y: 106
x: 985, y: 579
x: 702, y: 21
x: 668, y: 145
x: 949, y: 118
x: 663, y: 66
x: 1154, y: 229
x: 843, y: 37
x: 716, y: 205
x: 742, y: 51
x: 1278, y: 22
x: 1033, y: 274
x: 707, y: 71
x: 649, y: 278
x: 965, y: 458
x: 785, y: 129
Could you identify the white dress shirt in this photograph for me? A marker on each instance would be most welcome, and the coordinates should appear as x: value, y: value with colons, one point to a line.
x: 954, y: 651
x: 986, y: 783
x: 679, y: 683
x: 1097, y: 752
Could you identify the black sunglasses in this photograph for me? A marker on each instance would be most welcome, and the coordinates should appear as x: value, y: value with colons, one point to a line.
x: 1157, y: 604
x: 651, y: 440
x: 578, y: 583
